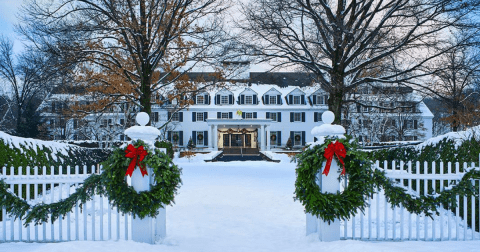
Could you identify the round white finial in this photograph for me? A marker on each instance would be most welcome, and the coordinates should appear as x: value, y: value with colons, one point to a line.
x: 142, y: 118
x: 328, y: 117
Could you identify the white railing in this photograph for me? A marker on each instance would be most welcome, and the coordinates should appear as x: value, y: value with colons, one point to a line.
x: 95, y: 220
x: 381, y: 222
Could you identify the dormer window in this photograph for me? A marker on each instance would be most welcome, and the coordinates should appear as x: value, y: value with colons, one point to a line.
x: 320, y: 99
x: 248, y: 99
x: 200, y: 99
x: 224, y: 99
x: 273, y: 99
x: 296, y: 99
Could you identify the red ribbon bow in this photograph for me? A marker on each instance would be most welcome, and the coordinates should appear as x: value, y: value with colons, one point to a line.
x: 137, y: 155
x: 338, y: 149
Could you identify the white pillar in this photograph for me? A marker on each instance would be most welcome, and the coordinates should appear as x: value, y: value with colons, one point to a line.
x: 215, y: 137
x: 268, y: 137
x: 143, y: 230
x: 261, y: 137
x: 210, y: 134
x: 328, y: 184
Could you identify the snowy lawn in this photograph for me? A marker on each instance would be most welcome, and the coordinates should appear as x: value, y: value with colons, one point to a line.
x: 238, y: 206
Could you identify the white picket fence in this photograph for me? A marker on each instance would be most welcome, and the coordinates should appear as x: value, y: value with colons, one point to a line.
x: 381, y: 222
x: 95, y: 220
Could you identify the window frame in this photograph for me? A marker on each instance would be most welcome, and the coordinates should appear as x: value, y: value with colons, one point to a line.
x: 248, y: 115
x: 175, y: 117
x: 202, y: 98
x: 224, y: 100
x: 272, y: 98
x: 178, y: 137
x: 200, y: 117
x: 273, y: 116
x: 299, y: 114
x: 248, y: 99
x: 224, y: 115
x: 297, y: 100
x: 297, y: 133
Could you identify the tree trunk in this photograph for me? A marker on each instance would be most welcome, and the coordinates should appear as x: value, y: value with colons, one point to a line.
x: 335, y: 101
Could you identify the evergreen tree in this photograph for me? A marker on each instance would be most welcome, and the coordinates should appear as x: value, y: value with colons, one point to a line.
x: 190, y: 144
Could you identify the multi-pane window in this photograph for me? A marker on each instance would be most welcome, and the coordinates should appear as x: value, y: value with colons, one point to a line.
x: 273, y: 138
x: 104, y: 122
x: 225, y: 116
x: 365, y: 108
x: 297, y: 117
x: 175, y: 137
x: 248, y: 115
x: 175, y: 117
x: 199, y: 137
x: 224, y: 99
x: 248, y: 99
x: 200, y: 99
x: 273, y: 99
x: 297, y: 137
x: 273, y: 116
x: 296, y: 99
x: 199, y: 117
x: 322, y: 99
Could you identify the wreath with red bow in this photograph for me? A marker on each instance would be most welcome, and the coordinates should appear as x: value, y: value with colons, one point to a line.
x: 354, y: 164
x: 122, y: 162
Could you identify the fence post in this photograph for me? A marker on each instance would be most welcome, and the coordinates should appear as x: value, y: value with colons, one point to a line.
x: 143, y: 230
x: 328, y: 184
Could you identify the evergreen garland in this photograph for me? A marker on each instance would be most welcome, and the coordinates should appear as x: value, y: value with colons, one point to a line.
x: 111, y: 183
x: 363, y: 179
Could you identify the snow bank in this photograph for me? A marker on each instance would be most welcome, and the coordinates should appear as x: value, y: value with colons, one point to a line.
x: 30, y: 143
x: 457, y: 137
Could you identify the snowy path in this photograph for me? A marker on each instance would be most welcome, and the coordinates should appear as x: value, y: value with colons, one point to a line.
x: 239, y: 206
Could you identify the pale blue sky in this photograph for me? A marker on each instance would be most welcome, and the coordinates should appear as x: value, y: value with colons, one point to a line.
x: 8, y: 11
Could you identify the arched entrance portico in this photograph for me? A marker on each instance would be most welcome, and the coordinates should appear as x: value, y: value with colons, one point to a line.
x: 239, y: 133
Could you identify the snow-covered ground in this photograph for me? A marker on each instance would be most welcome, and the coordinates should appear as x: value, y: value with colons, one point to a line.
x: 239, y: 206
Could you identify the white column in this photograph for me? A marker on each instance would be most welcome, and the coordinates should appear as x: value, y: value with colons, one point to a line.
x: 142, y: 228
x: 330, y: 184
x: 210, y: 134
x: 261, y: 137
x: 268, y: 137
x: 215, y: 137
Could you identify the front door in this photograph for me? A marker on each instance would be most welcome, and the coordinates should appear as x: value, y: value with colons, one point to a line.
x: 226, y: 140
x: 236, y: 140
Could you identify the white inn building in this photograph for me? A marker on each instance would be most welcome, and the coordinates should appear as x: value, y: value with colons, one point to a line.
x: 262, y: 113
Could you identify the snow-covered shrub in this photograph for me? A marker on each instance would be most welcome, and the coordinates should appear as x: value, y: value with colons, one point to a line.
x: 17, y: 151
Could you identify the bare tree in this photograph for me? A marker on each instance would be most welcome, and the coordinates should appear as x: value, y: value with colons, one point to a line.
x: 457, y: 72
x: 352, y: 43
x: 29, y: 76
x: 129, y: 49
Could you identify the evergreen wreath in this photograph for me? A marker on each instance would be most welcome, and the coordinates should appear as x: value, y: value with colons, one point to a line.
x: 175, y: 137
x: 200, y: 137
x: 273, y: 137
x: 166, y: 176
x: 112, y: 184
x: 297, y: 138
x: 363, y: 179
x: 329, y: 206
